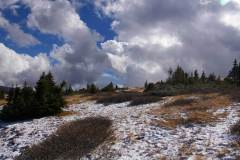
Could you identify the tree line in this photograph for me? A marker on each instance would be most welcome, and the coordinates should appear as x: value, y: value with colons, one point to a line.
x: 181, y: 77
x: 45, y: 99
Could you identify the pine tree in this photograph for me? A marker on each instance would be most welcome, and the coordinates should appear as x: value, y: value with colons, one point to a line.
x: 24, y: 103
x: 178, y: 77
x: 93, y: 89
x: 63, y: 84
x: 238, y: 74
x: 48, y: 96
x: 109, y: 88
x: 212, y: 77
x: 146, y: 84
x: 2, y: 95
x: 203, y: 77
x: 196, y: 76
x: 233, y: 74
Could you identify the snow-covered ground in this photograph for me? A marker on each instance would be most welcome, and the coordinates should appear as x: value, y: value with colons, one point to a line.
x: 137, y: 139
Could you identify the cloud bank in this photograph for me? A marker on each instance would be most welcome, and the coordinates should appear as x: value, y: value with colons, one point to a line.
x: 152, y: 36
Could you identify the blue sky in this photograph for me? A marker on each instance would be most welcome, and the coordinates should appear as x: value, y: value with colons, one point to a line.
x: 101, y: 25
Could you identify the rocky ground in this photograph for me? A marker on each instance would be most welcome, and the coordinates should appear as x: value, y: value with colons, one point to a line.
x: 136, y: 137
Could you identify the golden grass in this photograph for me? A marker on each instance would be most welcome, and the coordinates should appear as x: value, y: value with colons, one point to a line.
x: 66, y: 113
x: 79, y: 98
x: 75, y: 99
x: 223, y: 152
x: 3, y: 102
x: 198, y: 111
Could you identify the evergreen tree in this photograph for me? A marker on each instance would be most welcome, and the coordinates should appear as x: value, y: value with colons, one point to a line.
x: 233, y: 74
x: 91, y: 88
x: 63, y: 84
x: 150, y: 86
x: 48, y: 96
x: 2, y: 95
x: 191, y: 78
x: 170, y: 74
x: 109, y: 88
x: 196, y: 76
x: 203, y: 77
x: 24, y: 103
x: 145, y: 84
x: 238, y: 75
x: 218, y: 80
x: 178, y: 76
x: 10, y: 95
x: 212, y: 77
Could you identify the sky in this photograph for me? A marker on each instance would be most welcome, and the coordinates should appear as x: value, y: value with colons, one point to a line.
x: 124, y: 41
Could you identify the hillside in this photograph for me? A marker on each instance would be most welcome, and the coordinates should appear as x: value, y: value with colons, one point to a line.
x: 192, y: 126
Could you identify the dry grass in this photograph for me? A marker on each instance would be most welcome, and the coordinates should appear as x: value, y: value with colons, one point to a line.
x: 180, y: 102
x: 66, y: 113
x: 223, y: 152
x: 72, y: 141
x: 79, y: 98
x: 3, y: 102
x: 184, y: 110
x: 233, y: 93
x: 75, y: 99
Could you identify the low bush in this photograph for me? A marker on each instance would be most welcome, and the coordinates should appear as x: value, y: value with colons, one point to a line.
x: 235, y: 129
x: 72, y: 141
x: 144, y: 100
x: 164, y: 90
x: 119, y: 98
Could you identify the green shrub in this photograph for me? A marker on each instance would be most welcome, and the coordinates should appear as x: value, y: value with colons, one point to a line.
x: 144, y: 100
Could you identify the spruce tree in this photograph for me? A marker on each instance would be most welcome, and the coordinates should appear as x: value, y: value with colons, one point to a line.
x: 146, y: 84
x: 25, y: 103
x: 109, y: 88
x: 238, y: 75
x: 48, y: 96
x: 212, y: 77
x: 196, y: 76
x: 203, y: 77
x: 233, y: 74
x: 1, y: 94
